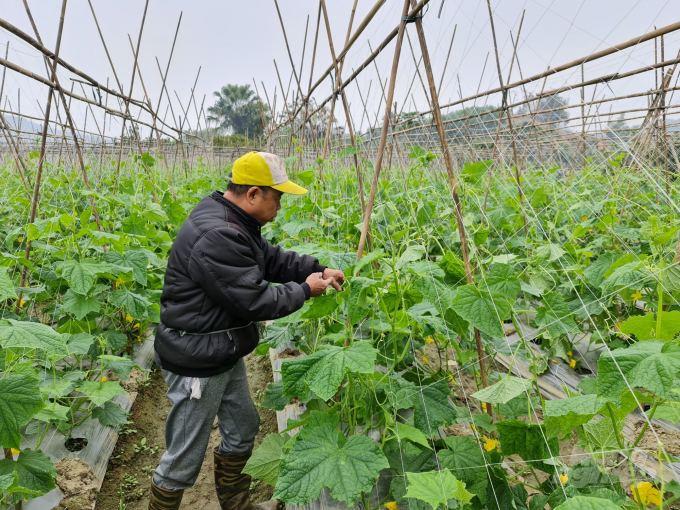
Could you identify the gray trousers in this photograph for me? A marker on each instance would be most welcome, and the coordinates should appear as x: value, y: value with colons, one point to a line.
x: 189, y: 423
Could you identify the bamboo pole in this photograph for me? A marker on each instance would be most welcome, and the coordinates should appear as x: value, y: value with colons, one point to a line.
x: 385, y: 127
x: 452, y: 184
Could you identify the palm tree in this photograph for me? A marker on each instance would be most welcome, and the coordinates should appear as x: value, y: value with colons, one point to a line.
x: 236, y: 110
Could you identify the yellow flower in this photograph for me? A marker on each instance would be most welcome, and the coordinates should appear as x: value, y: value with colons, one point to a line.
x: 21, y: 240
x: 115, y: 285
x: 564, y: 479
x: 169, y: 227
x: 429, y: 340
x: 648, y: 494
x: 104, y: 379
x: 554, y: 361
x: 637, y: 295
x: 584, y: 218
x: 22, y: 303
x: 484, y: 406
x: 590, y: 230
x: 129, y: 318
x: 326, y: 224
x: 392, y: 505
x: 644, y: 207
x: 424, y: 359
x: 347, y: 237
x: 489, y: 444
x: 136, y: 325
x: 572, y: 363
x: 77, y: 389
x: 15, y: 451
x: 569, y: 353
x: 452, y: 380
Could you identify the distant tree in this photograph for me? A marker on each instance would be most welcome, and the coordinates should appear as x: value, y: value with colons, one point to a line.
x: 547, y: 111
x: 236, y: 110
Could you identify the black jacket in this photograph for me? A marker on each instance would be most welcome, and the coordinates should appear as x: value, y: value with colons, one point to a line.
x: 218, y: 278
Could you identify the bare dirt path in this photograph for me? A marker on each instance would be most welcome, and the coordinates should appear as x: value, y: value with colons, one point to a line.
x: 132, y: 463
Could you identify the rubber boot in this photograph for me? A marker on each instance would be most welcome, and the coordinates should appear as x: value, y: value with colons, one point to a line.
x: 233, y: 485
x: 165, y: 499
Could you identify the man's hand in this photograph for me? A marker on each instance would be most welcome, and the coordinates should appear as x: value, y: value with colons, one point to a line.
x: 318, y: 285
x: 334, y: 273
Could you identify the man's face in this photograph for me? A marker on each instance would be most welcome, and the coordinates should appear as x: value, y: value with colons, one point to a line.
x: 264, y: 206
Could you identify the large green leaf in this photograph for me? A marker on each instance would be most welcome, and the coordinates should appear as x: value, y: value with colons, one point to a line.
x: 135, y: 304
x: 322, y: 457
x: 31, y: 335
x: 110, y: 414
x: 6, y: 286
x: 80, y: 274
x: 277, y: 336
x: 20, y: 400
x: 137, y: 260
x: 503, y: 281
x: 563, y: 415
x: 266, y: 460
x: 357, y: 307
x: 293, y: 228
x: 431, y: 405
x: 555, y: 316
x: 321, y: 307
x: 413, y: 253
x: 325, y: 376
x: 405, y: 431
x: 529, y: 442
x: 79, y: 305
x: 465, y: 459
x: 453, y: 266
x: 273, y: 397
x: 35, y: 473
x: 436, y: 488
x: 504, y: 390
x: 99, y: 393
x: 651, y: 365
x: 483, y: 310
x: 588, y: 503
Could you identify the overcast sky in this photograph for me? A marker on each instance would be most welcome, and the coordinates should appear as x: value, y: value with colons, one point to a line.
x: 234, y: 42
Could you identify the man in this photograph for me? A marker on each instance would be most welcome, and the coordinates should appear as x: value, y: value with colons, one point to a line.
x: 217, y: 286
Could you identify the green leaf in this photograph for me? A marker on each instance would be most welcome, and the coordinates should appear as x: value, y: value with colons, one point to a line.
x: 555, y: 316
x: 265, y: 462
x: 363, y: 261
x: 671, y: 278
x: 154, y: 213
x: 325, y: 376
x: 321, y: 457
x: 482, y: 310
x: 6, y: 286
x: 453, y: 266
x: 79, y: 305
x: 80, y: 275
x: 502, y: 280
x: 529, y: 442
x: 670, y: 325
x: 293, y: 228
x: 135, y: 304
x: 667, y: 411
x: 31, y: 335
x: 34, y: 470
x: 405, y: 431
x: 413, y: 253
x: 473, y: 172
x: 431, y: 403
x: 99, y: 393
x: 321, y: 307
x: 137, y: 260
x: 436, y: 488
x: 642, y: 326
x: 651, y: 365
x: 550, y: 251
x: 20, y: 401
x: 357, y: 307
x: 53, y: 412
x: 503, y: 391
x: 564, y: 415
x: 464, y: 457
x: 110, y: 414
x: 273, y: 398
x: 588, y: 503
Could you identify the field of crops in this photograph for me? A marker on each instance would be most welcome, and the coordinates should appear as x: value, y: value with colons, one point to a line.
x: 390, y: 375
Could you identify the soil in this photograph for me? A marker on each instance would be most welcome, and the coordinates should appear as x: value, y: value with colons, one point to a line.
x: 669, y: 439
x: 129, y: 473
x: 288, y: 354
x: 77, y: 483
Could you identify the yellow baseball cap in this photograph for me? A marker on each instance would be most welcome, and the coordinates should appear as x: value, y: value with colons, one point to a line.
x: 264, y: 169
